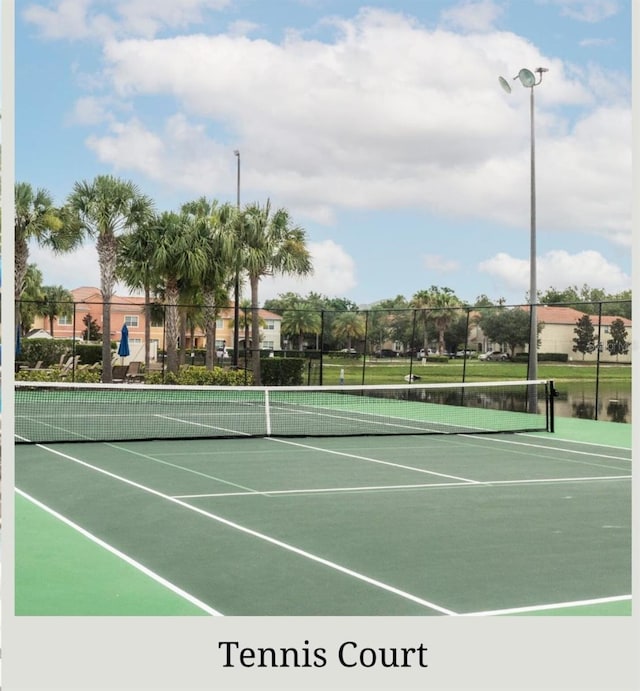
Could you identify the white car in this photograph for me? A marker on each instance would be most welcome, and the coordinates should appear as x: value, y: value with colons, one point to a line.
x: 495, y: 355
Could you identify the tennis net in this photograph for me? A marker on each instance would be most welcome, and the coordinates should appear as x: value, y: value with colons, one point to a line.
x: 65, y: 412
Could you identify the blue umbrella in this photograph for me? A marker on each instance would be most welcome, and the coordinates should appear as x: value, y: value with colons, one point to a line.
x: 123, y: 348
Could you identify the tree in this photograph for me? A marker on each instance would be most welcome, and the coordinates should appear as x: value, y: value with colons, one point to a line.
x: 348, y: 326
x: 36, y: 218
x: 509, y: 327
x: 266, y: 243
x: 585, y: 339
x: 107, y: 208
x: 136, y: 270
x: 439, y: 305
x: 57, y: 301
x: 32, y: 296
x: 618, y: 344
x: 215, y: 221
x: 299, y: 320
x: 91, y: 329
x: 178, y: 254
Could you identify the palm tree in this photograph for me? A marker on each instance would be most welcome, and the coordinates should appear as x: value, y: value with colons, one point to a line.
x: 108, y: 207
x: 347, y: 326
x: 245, y: 322
x: 266, y: 243
x: 136, y: 270
x: 57, y: 301
x: 36, y: 218
x: 32, y: 297
x: 180, y: 254
x: 440, y: 305
x: 300, y: 320
x: 216, y: 221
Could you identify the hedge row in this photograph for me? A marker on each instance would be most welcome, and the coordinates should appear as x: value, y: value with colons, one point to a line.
x: 49, y: 351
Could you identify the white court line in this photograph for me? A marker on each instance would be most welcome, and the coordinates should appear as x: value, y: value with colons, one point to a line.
x: 536, y: 435
x: 121, y: 555
x: 557, y: 605
x: 201, y: 424
x: 372, y: 460
x: 547, y: 448
x: 432, y: 485
x: 249, y: 490
x: 261, y: 536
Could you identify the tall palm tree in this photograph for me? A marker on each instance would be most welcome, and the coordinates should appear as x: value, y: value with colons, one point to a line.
x: 136, y: 270
x: 267, y: 243
x: 299, y: 320
x: 180, y: 254
x: 215, y: 222
x: 347, y: 326
x: 36, y: 218
x: 109, y: 207
x: 57, y: 301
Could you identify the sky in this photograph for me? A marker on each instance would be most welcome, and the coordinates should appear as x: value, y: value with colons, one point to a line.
x: 381, y: 126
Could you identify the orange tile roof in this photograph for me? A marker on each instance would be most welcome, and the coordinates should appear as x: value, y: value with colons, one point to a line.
x: 568, y: 315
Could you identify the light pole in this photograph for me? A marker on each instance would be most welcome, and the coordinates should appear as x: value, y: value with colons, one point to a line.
x: 528, y: 80
x: 236, y: 288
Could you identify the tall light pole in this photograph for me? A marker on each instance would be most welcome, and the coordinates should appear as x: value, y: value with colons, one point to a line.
x: 236, y: 297
x: 528, y: 80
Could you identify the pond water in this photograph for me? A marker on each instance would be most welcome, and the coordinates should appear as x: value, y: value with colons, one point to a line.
x: 578, y: 399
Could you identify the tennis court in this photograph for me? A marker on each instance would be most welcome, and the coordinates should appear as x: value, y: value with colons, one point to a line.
x: 402, y: 522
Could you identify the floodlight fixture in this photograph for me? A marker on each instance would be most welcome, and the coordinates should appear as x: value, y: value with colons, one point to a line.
x: 505, y: 84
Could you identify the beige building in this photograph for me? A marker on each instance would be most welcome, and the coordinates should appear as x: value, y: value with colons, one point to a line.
x: 559, y: 331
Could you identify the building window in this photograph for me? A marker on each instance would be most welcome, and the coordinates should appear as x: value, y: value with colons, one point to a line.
x: 219, y: 323
x: 267, y: 345
x: 270, y: 324
x: 131, y: 320
x: 65, y: 320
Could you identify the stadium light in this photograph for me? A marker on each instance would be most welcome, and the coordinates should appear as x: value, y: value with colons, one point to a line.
x: 528, y: 79
x: 236, y: 288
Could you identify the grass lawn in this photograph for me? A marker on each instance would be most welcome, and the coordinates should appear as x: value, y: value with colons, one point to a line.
x: 393, y: 371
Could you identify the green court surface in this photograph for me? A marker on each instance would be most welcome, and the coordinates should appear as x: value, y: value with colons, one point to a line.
x: 507, y: 524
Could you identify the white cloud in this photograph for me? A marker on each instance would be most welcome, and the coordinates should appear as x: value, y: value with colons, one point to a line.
x: 67, y: 20
x: 591, y: 11
x: 558, y: 269
x: 89, y: 110
x: 88, y: 19
x: 242, y: 28
x: 334, y: 271
x: 380, y: 127
x: 334, y: 274
x: 473, y: 15
x: 436, y: 262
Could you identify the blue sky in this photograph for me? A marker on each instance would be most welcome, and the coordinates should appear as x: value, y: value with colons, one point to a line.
x: 381, y: 126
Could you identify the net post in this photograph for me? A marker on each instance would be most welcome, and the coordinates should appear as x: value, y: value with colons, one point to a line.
x: 551, y: 396
x: 267, y: 412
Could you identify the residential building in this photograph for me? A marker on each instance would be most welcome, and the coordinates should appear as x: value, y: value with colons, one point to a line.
x: 129, y: 310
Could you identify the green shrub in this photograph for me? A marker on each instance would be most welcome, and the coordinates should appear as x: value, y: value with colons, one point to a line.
x: 201, y: 376
x: 48, y: 350
x: 553, y: 357
x: 89, y: 353
x: 282, y: 371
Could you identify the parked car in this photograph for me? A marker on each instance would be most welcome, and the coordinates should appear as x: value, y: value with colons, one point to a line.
x: 496, y: 355
x: 386, y: 352
x: 469, y: 353
x: 425, y: 353
x: 351, y: 351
